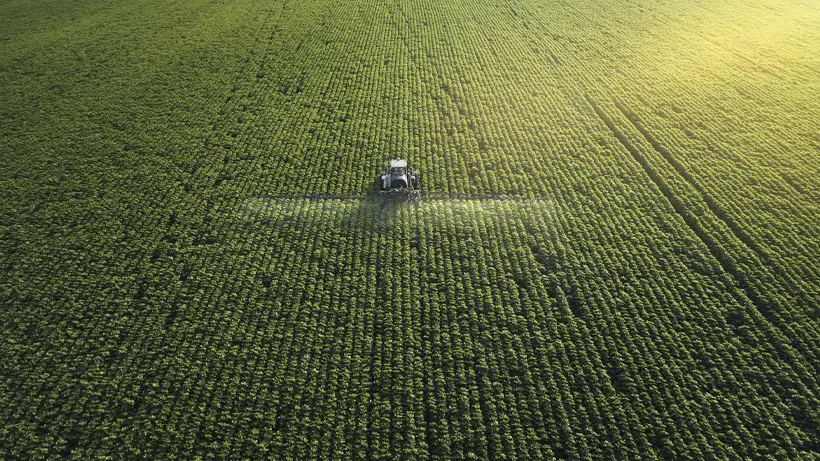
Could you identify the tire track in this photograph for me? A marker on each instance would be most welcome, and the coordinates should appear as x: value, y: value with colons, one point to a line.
x: 681, y: 209
x: 764, y: 303
x: 716, y: 209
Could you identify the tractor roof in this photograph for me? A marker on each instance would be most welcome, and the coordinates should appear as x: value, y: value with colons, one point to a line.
x: 398, y: 163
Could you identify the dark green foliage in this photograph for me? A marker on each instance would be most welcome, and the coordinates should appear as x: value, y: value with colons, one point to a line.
x: 653, y: 296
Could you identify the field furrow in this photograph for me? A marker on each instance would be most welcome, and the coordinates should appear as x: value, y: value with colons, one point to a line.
x: 613, y: 255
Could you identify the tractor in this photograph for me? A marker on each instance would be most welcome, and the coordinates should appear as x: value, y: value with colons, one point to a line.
x: 399, y: 180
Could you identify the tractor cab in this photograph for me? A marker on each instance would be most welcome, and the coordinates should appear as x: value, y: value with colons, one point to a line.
x: 398, y: 176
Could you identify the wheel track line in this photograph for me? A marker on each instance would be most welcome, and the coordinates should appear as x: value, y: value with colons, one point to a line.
x: 681, y: 209
x: 760, y: 95
x: 715, y: 208
x: 780, y: 276
x: 600, y: 25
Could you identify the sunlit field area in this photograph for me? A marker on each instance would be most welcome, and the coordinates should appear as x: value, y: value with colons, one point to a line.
x: 614, y: 254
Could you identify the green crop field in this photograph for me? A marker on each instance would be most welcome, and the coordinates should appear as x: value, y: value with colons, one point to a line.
x: 616, y: 254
